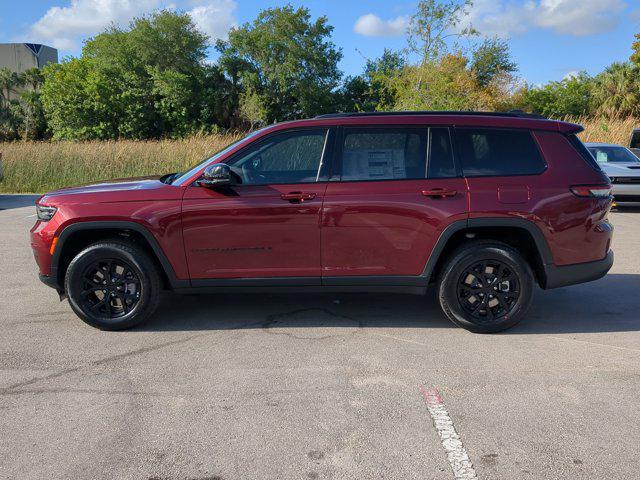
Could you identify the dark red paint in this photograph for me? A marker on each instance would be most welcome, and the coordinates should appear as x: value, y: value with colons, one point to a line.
x: 342, y: 228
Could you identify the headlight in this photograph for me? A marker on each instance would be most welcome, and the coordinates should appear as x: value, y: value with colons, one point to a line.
x: 45, y: 213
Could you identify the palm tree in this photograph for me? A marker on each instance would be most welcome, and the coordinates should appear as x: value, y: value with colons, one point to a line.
x: 617, y: 91
x: 33, y: 78
x: 8, y: 82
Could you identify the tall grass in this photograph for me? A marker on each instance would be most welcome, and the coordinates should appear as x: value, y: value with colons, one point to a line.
x: 606, y: 130
x: 34, y: 167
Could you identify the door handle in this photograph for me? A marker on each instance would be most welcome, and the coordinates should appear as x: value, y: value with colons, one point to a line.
x: 295, y: 197
x: 439, y: 193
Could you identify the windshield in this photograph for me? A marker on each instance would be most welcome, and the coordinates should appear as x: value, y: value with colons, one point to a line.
x: 613, y: 155
x: 181, y: 177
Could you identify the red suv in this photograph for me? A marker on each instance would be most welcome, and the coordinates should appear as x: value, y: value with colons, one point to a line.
x: 483, y: 205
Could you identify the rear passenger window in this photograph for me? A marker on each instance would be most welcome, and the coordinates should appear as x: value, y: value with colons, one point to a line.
x: 384, y: 153
x: 495, y: 152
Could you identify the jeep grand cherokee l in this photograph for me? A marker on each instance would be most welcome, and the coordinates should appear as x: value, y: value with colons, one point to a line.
x: 482, y: 205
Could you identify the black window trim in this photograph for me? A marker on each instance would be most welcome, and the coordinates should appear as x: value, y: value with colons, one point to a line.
x: 336, y: 170
x: 459, y: 161
x: 452, y: 146
x: 325, y: 161
x: 583, y: 151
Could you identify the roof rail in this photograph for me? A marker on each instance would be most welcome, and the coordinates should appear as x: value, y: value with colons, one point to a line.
x: 510, y: 113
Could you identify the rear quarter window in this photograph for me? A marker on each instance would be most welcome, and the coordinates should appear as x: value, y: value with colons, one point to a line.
x: 584, y: 152
x: 498, y: 152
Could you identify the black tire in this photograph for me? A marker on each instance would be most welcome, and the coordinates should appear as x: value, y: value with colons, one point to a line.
x: 128, y: 299
x: 486, y: 287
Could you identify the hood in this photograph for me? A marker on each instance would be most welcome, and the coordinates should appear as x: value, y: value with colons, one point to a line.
x: 118, y: 190
x: 631, y: 169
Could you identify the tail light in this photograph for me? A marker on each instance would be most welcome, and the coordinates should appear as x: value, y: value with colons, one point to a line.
x: 591, y: 191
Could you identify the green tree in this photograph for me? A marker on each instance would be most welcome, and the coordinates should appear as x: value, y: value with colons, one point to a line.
x: 445, y: 84
x: 32, y: 78
x: 635, y: 46
x: 219, y: 100
x: 251, y: 109
x: 616, y: 91
x: 570, y: 96
x: 435, y: 24
x: 9, y: 81
x: 491, y: 59
x: 80, y: 101
x: 374, y: 89
x: 141, y: 82
x: 286, y: 59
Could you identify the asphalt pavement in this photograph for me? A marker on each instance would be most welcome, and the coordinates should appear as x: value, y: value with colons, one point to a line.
x: 319, y: 386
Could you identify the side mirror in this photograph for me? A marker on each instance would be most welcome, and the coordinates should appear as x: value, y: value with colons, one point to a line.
x: 218, y: 175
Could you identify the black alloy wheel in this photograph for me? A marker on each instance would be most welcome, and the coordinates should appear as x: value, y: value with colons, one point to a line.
x: 488, y: 290
x: 486, y: 286
x: 113, y: 285
x: 111, y: 288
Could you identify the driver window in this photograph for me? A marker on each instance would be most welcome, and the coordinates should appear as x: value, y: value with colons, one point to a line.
x: 290, y: 157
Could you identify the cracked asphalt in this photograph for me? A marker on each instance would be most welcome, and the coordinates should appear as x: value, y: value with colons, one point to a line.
x: 317, y: 386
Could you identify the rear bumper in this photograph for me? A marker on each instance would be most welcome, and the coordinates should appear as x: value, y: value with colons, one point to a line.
x: 578, y: 273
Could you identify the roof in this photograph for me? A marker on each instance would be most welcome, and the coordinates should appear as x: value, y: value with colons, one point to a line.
x: 511, y: 113
x: 602, y: 144
x: 460, y: 119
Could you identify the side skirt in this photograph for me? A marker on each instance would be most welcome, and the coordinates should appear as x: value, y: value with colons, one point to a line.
x: 405, y: 285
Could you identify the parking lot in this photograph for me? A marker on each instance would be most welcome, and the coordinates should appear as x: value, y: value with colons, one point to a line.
x: 317, y: 386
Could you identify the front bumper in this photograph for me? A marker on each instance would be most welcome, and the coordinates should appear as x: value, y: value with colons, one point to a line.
x: 626, y: 192
x: 578, y: 273
x: 50, y: 281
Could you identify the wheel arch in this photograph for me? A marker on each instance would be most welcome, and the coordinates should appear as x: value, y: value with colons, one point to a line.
x: 73, y: 238
x: 519, y: 233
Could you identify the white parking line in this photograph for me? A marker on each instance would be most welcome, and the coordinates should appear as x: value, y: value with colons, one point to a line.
x: 456, y: 453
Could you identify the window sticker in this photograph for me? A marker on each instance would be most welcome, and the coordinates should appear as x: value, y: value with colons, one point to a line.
x: 374, y: 164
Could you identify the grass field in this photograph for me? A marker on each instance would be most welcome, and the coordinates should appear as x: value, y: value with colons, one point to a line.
x: 34, y: 167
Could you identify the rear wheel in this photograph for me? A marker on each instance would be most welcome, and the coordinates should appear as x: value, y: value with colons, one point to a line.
x: 113, y: 285
x: 486, y: 287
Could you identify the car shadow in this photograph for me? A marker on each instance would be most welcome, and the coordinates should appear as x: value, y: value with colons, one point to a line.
x: 607, y: 305
x: 7, y: 202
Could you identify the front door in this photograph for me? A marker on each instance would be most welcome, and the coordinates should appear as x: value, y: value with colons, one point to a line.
x: 266, y: 226
x: 398, y: 189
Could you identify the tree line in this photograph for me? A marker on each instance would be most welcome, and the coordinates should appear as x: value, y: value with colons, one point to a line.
x: 152, y: 79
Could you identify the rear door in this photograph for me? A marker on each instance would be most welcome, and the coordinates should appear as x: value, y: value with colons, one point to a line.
x: 393, y: 192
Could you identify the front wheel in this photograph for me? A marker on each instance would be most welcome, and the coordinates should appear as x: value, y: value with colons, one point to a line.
x: 486, y: 287
x: 113, y: 285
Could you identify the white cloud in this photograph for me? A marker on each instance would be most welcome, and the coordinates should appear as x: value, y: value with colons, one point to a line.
x: 567, y: 17
x: 215, y: 18
x: 580, y: 17
x: 61, y: 26
x: 371, y: 25
x: 571, y: 75
x: 64, y: 27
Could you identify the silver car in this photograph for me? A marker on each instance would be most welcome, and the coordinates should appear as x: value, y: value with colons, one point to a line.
x: 622, y: 167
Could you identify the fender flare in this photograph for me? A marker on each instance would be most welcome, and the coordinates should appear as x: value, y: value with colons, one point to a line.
x: 450, y: 230
x: 69, y: 230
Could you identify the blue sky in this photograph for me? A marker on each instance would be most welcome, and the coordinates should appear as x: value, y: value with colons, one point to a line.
x: 549, y: 38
